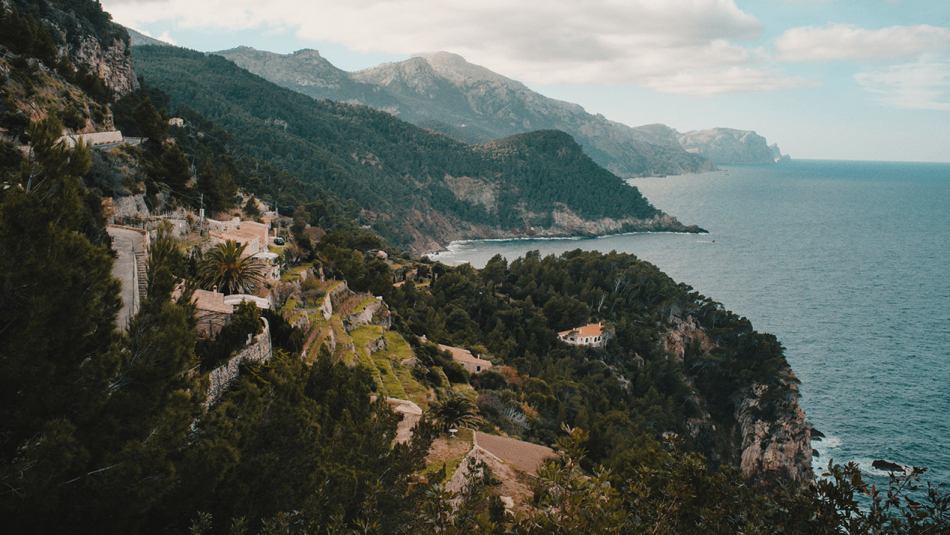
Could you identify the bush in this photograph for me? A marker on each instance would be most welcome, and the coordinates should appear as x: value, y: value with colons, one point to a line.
x: 233, y: 336
x: 73, y: 118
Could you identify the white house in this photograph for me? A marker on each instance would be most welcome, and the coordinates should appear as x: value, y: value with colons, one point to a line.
x: 588, y: 335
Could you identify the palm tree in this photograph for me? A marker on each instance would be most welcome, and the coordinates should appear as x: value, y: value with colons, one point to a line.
x: 455, y: 412
x: 223, y: 266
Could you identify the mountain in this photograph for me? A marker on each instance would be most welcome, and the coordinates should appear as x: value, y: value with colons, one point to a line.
x: 445, y: 93
x: 417, y: 187
x: 730, y: 146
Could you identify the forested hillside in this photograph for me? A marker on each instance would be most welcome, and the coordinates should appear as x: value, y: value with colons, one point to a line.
x: 423, y: 189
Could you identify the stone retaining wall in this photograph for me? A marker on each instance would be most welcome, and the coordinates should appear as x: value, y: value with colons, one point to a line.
x: 97, y: 138
x: 259, y: 350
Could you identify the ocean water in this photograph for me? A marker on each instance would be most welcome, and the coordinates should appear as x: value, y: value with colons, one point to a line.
x: 848, y: 263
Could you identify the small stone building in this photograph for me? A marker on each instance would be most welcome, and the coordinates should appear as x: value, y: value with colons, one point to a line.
x: 468, y: 361
x: 212, y: 312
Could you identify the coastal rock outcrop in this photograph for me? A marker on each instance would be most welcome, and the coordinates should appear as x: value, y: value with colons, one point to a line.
x: 776, y: 439
x: 769, y: 436
x: 730, y: 146
x: 565, y: 224
x: 888, y: 466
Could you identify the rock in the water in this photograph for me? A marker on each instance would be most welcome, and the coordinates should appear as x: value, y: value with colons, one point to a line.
x: 887, y: 466
x: 816, y: 434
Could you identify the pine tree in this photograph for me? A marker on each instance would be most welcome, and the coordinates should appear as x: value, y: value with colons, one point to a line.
x: 58, y: 301
x: 219, y: 188
x: 175, y: 170
x: 92, y: 423
x: 227, y: 188
x: 151, y: 123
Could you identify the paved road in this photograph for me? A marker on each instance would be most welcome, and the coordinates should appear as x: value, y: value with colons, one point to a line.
x: 126, y: 243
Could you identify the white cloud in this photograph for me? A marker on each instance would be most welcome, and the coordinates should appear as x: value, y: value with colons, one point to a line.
x: 922, y: 85
x: 544, y: 41
x: 707, y: 83
x: 842, y: 42
x: 166, y: 37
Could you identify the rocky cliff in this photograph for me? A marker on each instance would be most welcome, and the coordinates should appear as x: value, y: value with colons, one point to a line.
x: 113, y: 63
x: 775, y: 438
x: 730, y: 146
x: 440, y: 230
x: 768, y: 434
x: 445, y: 93
x: 87, y: 35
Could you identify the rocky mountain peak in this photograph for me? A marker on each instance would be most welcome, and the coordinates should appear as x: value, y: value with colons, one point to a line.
x: 303, y: 68
x: 459, y: 71
x: 413, y: 72
x: 307, y: 53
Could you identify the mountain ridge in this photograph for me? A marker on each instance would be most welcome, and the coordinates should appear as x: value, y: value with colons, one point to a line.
x: 477, y: 105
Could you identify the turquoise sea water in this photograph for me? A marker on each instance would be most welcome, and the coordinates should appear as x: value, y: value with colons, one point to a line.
x: 848, y: 263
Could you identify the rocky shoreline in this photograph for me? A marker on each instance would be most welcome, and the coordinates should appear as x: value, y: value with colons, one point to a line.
x: 566, y: 225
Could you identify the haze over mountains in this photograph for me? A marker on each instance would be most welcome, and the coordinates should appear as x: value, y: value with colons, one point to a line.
x: 443, y: 92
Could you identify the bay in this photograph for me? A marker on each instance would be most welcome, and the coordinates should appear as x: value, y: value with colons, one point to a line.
x: 848, y: 263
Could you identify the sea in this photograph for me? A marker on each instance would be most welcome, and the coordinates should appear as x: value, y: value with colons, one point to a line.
x: 846, y: 262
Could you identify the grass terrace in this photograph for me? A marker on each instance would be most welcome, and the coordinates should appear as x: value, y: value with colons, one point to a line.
x: 449, y: 452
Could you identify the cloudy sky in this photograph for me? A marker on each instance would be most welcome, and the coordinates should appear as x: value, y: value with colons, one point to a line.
x: 825, y: 79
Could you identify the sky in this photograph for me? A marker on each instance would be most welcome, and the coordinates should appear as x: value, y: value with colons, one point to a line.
x: 824, y: 79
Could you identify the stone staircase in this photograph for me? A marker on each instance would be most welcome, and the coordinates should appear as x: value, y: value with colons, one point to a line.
x: 142, y: 274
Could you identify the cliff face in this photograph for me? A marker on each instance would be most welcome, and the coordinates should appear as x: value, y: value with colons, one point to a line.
x: 776, y: 439
x: 112, y: 64
x: 768, y: 435
x: 432, y: 231
x: 87, y: 35
x: 730, y: 146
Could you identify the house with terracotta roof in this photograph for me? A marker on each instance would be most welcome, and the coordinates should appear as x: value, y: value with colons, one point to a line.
x: 589, y: 335
x: 251, y: 234
x: 468, y: 361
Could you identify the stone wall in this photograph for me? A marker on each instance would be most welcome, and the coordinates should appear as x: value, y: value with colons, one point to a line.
x: 97, y: 138
x: 132, y: 206
x: 375, y: 312
x: 327, y: 307
x: 259, y: 350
